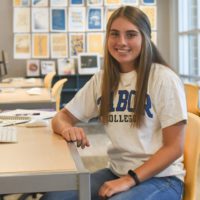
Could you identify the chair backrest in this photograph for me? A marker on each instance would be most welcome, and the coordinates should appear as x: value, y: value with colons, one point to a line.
x: 192, y: 98
x: 56, y: 92
x: 48, y: 79
x: 191, y: 156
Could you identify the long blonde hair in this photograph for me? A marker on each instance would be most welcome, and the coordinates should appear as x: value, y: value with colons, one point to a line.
x: 111, y: 76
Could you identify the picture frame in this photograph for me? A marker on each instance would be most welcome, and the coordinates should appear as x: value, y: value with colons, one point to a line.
x: 33, y: 68
x: 47, y: 66
x: 60, y: 3
x: 130, y: 2
x: 40, y: 45
x: 59, y: 45
x: 112, y: 2
x: 76, y: 44
x: 66, y: 66
x: 149, y: 2
x: 76, y: 2
x: 95, y: 19
x: 40, y: 20
x: 92, y: 45
x: 24, y: 3
x: 88, y: 63
x: 22, y: 46
x: 39, y: 3
x: 58, y: 18
x: 76, y: 19
x: 21, y: 20
x: 94, y: 2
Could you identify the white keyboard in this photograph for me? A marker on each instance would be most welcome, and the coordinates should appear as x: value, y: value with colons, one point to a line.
x: 8, y: 134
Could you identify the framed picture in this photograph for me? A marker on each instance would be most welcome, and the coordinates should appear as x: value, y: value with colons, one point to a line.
x: 66, y: 66
x: 58, y: 19
x: 88, y: 63
x: 59, y: 45
x: 21, y: 2
x: 33, y: 68
x: 94, y: 2
x: 40, y: 3
x: 40, y: 20
x: 149, y: 2
x: 22, y: 46
x: 76, y: 44
x: 21, y: 19
x: 47, y: 66
x: 129, y: 2
x: 76, y: 2
x: 151, y: 13
x: 112, y: 2
x: 95, y: 42
x: 40, y: 45
x: 95, y: 19
x: 61, y: 3
x: 76, y: 19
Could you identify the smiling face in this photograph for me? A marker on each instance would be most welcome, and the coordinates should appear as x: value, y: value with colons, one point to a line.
x: 124, y: 43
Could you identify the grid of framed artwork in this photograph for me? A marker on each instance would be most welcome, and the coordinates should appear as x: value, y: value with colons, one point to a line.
x: 60, y: 29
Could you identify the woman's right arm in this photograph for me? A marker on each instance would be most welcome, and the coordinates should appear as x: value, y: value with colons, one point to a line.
x: 64, y: 124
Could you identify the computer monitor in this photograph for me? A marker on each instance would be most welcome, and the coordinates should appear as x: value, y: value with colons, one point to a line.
x: 3, y: 65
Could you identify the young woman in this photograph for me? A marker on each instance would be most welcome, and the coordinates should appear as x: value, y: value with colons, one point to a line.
x: 141, y: 102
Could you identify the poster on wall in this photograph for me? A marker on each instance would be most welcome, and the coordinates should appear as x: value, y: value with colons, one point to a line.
x: 40, y: 3
x: 95, y: 19
x: 21, y: 3
x: 76, y: 44
x: 33, y: 68
x: 76, y: 19
x: 22, y: 46
x: 66, y: 66
x: 40, y: 20
x: 112, y: 2
x: 58, y: 19
x: 40, y: 45
x: 59, y: 45
x: 47, y: 66
x: 94, y: 2
x: 21, y: 20
x: 149, y: 2
x: 95, y: 43
x: 61, y: 3
x: 76, y: 2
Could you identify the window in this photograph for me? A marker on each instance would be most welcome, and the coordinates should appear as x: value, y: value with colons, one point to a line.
x: 189, y: 38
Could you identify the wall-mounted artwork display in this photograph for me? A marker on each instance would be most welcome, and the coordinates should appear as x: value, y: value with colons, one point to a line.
x: 40, y: 3
x: 61, y: 3
x: 58, y: 19
x: 130, y: 2
x: 59, y: 45
x: 88, y: 63
x: 47, y: 66
x: 94, y: 2
x: 45, y: 29
x: 21, y: 3
x: 95, y: 19
x: 40, y: 20
x: 21, y: 20
x: 76, y: 44
x: 76, y: 2
x: 151, y: 12
x: 76, y: 19
x: 40, y: 45
x: 149, y: 2
x: 33, y: 68
x: 112, y: 2
x: 92, y: 45
x: 66, y: 66
x: 22, y: 46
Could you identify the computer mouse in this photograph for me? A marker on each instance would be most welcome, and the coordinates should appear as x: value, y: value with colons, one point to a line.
x: 37, y: 123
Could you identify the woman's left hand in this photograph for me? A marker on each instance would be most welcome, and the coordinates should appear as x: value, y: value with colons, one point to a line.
x: 110, y: 188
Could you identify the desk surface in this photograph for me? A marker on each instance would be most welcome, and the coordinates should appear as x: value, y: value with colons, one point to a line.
x: 19, y: 98
x: 41, y: 161
x: 23, y: 83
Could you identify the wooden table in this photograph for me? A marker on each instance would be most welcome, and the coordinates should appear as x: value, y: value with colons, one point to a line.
x: 42, y: 161
x: 22, y: 83
x: 19, y: 98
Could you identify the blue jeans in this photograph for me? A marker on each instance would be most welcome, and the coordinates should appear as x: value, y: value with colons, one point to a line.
x: 163, y: 188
